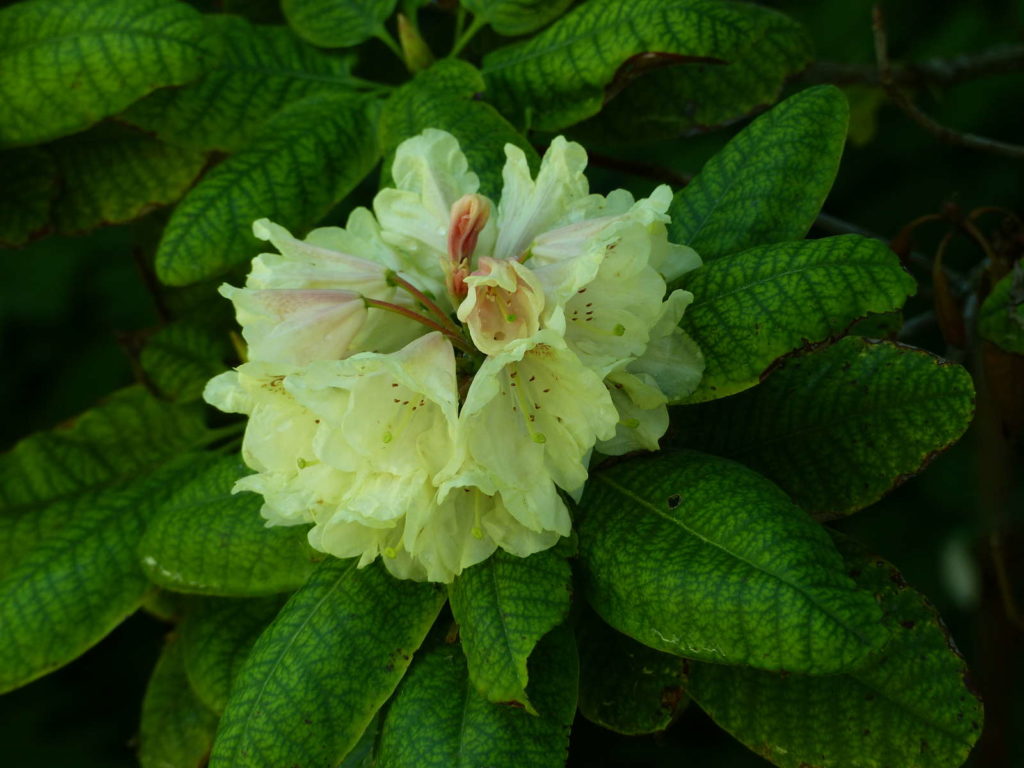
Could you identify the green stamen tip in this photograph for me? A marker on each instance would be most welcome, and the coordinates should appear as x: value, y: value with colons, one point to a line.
x: 619, y: 330
x: 539, y: 438
x: 386, y: 437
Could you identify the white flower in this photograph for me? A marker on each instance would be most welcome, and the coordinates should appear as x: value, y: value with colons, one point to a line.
x: 426, y: 383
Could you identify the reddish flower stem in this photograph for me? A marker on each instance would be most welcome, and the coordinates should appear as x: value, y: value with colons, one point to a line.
x: 454, y: 337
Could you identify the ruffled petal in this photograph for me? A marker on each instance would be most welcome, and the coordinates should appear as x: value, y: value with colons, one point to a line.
x: 430, y: 173
x: 529, y: 208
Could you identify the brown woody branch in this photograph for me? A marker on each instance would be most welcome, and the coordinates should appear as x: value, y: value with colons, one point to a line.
x: 931, y: 72
x: 907, y: 106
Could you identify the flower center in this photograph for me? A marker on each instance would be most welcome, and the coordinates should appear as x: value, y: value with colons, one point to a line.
x: 503, y: 304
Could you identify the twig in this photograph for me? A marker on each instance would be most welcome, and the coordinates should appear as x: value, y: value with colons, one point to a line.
x: 901, y: 100
x: 152, y: 285
x: 932, y: 72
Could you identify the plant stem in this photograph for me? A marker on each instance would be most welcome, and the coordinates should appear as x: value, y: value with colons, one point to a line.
x: 460, y: 42
x: 422, y: 298
x: 385, y: 37
x: 455, y: 338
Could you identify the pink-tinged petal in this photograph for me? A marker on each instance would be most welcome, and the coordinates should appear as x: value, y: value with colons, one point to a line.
x: 296, y: 326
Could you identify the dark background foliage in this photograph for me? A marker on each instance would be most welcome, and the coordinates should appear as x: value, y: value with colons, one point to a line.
x: 74, y: 310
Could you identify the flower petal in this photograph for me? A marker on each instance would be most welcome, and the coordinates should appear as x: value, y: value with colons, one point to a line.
x: 529, y: 208
x: 297, y: 326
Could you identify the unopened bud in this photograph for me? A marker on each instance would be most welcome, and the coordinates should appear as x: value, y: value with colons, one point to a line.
x: 469, y: 216
x: 415, y: 51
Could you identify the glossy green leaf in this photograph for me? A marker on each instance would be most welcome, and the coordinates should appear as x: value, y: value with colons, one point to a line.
x: 216, y: 637
x: 1001, y: 318
x: 754, y: 307
x: 183, y: 355
x: 841, y: 426
x: 301, y: 162
x: 28, y: 182
x: 675, y: 99
x: 438, y: 720
x: 624, y: 685
x: 79, y: 581
x: 769, y: 182
x: 504, y: 606
x: 319, y: 673
x: 262, y: 70
x: 68, y: 65
x: 559, y: 76
x: 176, y: 729
x: 111, y: 175
x: 125, y: 437
x: 207, y: 540
x: 516, y: 17
x: 428, y: 102
x: 911, y: 707
x: 702, y: 557
x: 337, y: 23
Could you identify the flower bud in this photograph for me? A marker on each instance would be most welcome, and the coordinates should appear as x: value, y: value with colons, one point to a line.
x: 469, y: 216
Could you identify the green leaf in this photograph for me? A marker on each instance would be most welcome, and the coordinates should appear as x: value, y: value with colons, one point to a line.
x: 429, y: 102
x: 839, y: 427
x: 769, y: 182
x: 28, y: 182
x: 216, y: 637
x: 111, y: 175
x: 1001, y: 318
x: 680, y: 98
x: 206, y: 540
x: 67, y: 65
x: 176, y: 729
x: 183, y: 355
x: 262, y: 70
x: 504, y: 606
x: 302, y: 161
x: 911, y: 707
x: 80, y: 581
x: 754, y: 307
x: 701, y: 557
x: 125, y: 437
x: 337, y: 23
x: 625, y: 686
x: 328, y: 662
x: 559, y: 76
x: 516, y: 17
x: 438, y: 720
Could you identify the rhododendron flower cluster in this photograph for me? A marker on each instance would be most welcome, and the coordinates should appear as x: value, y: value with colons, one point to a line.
x: 430, y: 382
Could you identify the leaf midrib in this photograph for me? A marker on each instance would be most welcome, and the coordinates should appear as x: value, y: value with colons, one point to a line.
x: 680, y: 524
x: 252, y: 706
x: 12, y: 51
x: 875, y: 265
x: 592, y: 31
